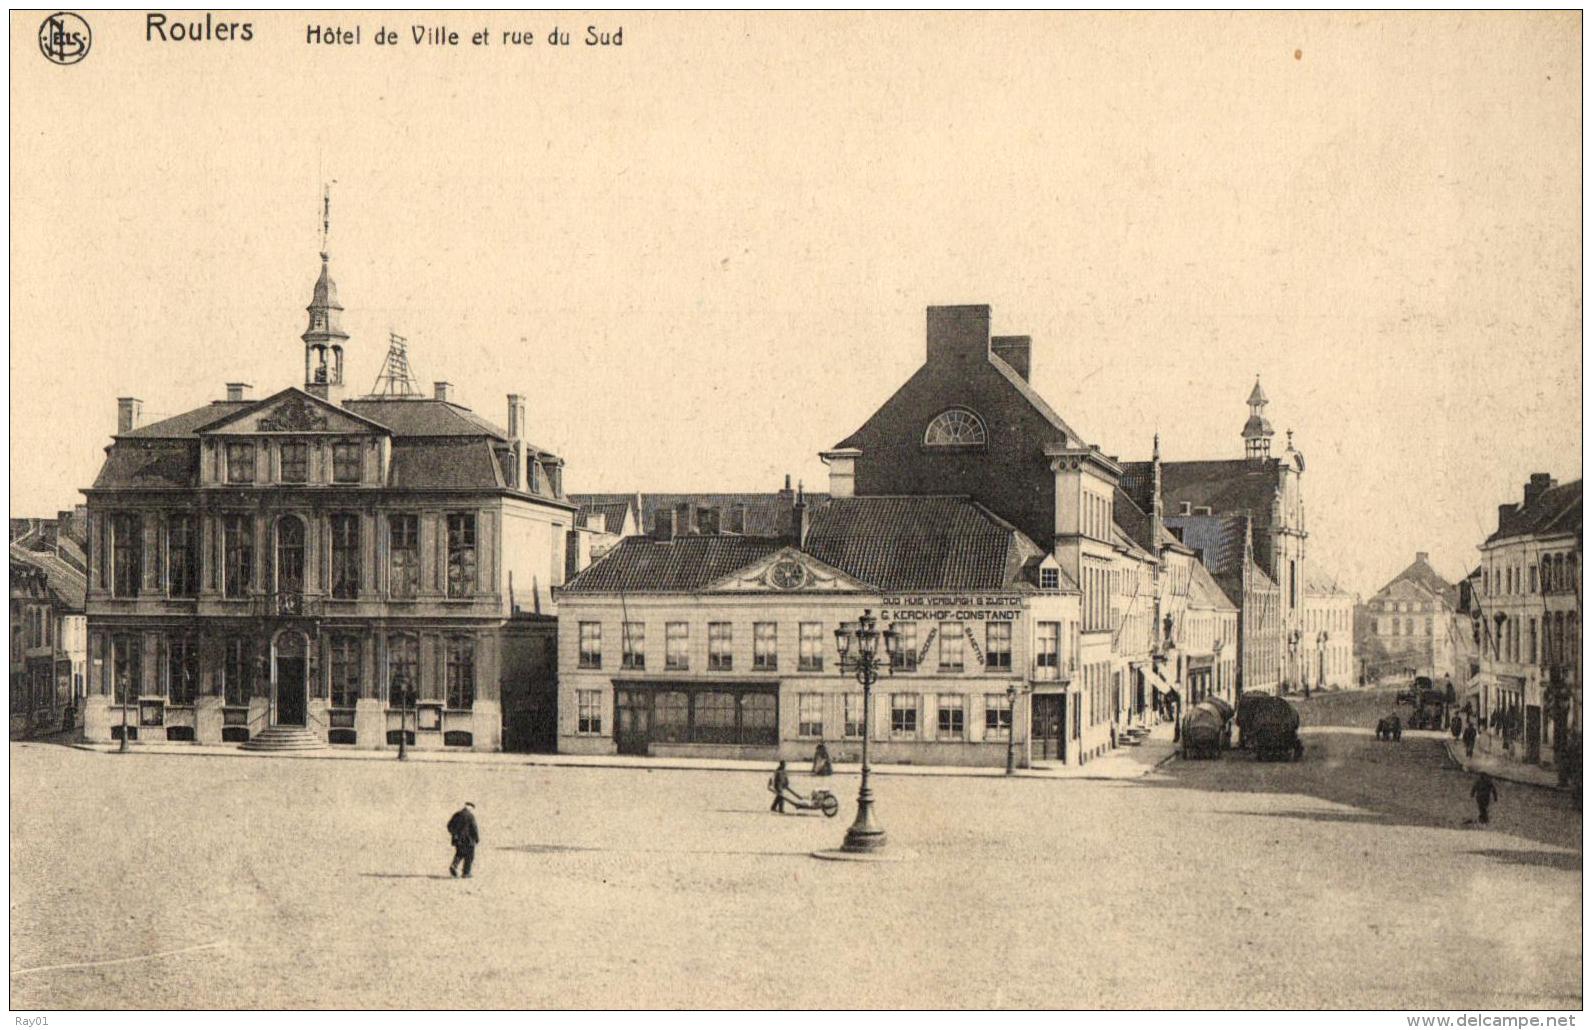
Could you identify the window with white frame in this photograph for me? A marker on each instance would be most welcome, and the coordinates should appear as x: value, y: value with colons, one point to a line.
x: 720, y: 642
x: 589, y: 712
x: 903, y: 715
x: 765, y: 645
x: 998, y: 645
x: 1047, y: 650
x: 632, y: 645
x: 591, y: 645
x: 905, y: 656
x: 952, y: 721
x: 950, y: 646
x: 810, y: 647
x: 957, y: 427
x: 810, y: 715
x: 853, y: 713
x: 677, y: 645
x: 1050, y: 579
x: 997, y: 716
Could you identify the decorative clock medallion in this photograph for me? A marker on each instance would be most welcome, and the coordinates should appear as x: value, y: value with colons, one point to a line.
x: 787, y: 575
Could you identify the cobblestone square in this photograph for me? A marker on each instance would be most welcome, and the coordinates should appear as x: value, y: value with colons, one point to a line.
x: 1352, y: 879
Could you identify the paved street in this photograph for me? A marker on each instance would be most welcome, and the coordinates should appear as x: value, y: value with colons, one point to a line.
x: 1351, y: 879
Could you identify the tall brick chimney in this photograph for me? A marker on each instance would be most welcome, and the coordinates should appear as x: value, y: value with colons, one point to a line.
x: 129, y: 412
x: 958, y: 333
x: 1016, y: 351
x: 1537, y: 485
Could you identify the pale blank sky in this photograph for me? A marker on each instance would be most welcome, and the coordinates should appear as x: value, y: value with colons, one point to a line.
x: 705, y: 255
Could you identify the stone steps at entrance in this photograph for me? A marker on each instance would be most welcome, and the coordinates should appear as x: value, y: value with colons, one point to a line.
x: 284, y: 738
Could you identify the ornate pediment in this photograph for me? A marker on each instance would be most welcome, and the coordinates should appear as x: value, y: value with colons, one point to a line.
x: 291, y: 411
x: 789, y: 571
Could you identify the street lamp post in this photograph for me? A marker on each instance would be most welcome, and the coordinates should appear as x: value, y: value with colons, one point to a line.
x: 1012, y: 693
x: 126, y: 690
x: 1293, y: 655
x: 858, y: 645
x: 1321, y: 662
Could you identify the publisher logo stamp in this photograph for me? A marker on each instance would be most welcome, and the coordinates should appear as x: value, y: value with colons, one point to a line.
x: 65, y: 38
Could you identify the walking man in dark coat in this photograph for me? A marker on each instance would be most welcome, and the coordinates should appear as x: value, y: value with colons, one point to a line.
x: 780, y: 785
x: 1398, y: 729
x: 1469, y: 736
x: 466, y: 835
x: 1485, y: 792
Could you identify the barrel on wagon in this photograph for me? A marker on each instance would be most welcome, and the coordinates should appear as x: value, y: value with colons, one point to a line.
x: 1273, y: 729
x: 1203, y: 729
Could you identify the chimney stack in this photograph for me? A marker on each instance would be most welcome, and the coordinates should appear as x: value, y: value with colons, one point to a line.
x: 798, y: 518
x: 1422, y: 556
x: 842, y: 471
x: 958, y: 333
x: 1504, y: 511
x: 516, y: 415
x: 663, y: 526
x: 684, y: 518
x: 1539, y: 483
x: 440, y: 390
x: 1016, y: 351
x: 238, y: 391
x: 129, y: 412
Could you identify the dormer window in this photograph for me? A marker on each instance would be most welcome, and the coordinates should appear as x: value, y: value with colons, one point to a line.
x: 957, y: 427
x: 240, y: 461
x: 1050, y: 579
x: 533, y: 476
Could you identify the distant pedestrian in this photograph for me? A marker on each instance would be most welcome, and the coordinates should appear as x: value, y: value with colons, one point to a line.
x: 1469, y: 737
x: 780, y: 785
x: 1398, y: 730
x: 1485, y: 792
x: 822, y: 766
x: 1456, y: 726
x: 466, y: 835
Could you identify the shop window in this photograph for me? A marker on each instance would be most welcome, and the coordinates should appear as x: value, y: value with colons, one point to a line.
x: 671, y: 716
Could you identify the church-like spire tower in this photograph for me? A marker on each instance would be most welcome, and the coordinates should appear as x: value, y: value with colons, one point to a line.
x: 323, y: 340
x: 1257, y: 431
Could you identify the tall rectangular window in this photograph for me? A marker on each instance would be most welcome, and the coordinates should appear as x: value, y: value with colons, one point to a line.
x: 345, y: 556
x: 765, y: 645
x: 127, y: 667
x: 853, y: 706
x: 403, y: 669
x: 591, y: 645
x: 905, y: 658
x: 295, y: 461
x: 589, y: 712
x: 998, y: 645
x: 347, y: 462
x: 403, y: 532
x: 182, y: 556
x: 240, y: 461
x: 810, y: 715
x: 461, y: 672
x: 632, y: 645
x: 182, y: 670
x: 903, y: 715
x: 997, y: 716
x: 1047, y: 650
x: 237, y: 671
x: 720, y: 643
x: 677, y: 645
x: 950, y: 646
x: 952, y: 720
x: 345, y: 667
x: 810, y: 647
x: 237, y: 544
x: 127, y: 554
x: 461, y: 554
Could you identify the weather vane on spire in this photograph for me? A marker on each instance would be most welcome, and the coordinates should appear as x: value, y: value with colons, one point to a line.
x: 326, y: 214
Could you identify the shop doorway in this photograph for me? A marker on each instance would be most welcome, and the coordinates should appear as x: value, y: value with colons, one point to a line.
x: 633, y: 721
x: 1049, y: 723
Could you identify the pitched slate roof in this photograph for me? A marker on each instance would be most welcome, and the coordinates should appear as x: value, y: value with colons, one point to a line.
x: 1219, y: 539
x: 1226, y: 487
x: 1420, y: 574
x: 443, y: 463
x: 1556, y: 510
x: 68, y: 586
x: 1205, y: 592
x: 150, y: 464
x: 642, y: 565
x: 424, y: 416
x: 918, y: 543
x: 891, y: 543
x: 182, y: 427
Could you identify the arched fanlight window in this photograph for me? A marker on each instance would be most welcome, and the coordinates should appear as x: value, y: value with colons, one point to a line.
x: 957, y: 427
